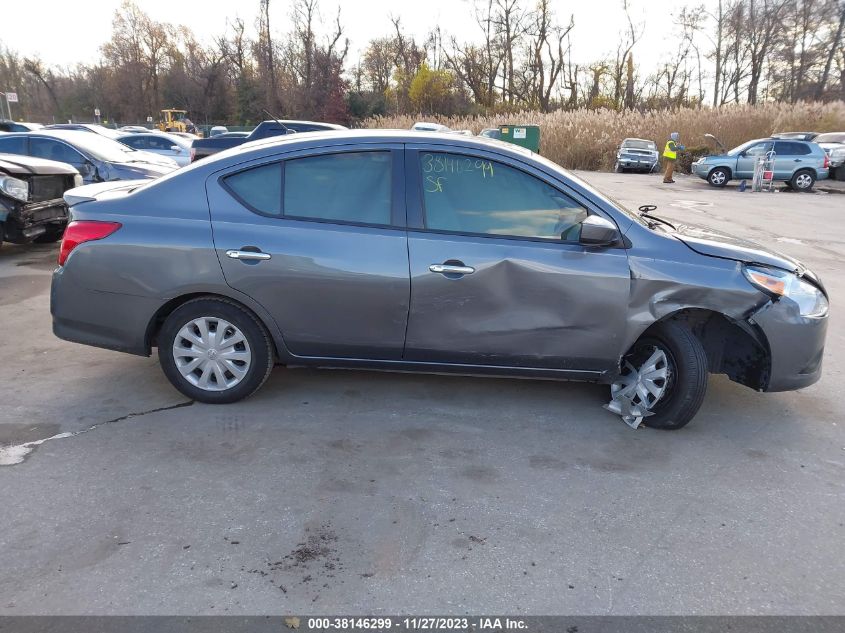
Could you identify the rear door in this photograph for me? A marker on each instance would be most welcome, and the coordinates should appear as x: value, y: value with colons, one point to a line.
x: 790, y: 156
x: 497, y: 274
x: 318, y: 238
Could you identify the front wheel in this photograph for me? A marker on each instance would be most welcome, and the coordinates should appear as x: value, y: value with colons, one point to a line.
x: 618, y: 168
x: 664, y: 375
x: 803, y: 180
x: 214, y: 351
x: 719, y: 177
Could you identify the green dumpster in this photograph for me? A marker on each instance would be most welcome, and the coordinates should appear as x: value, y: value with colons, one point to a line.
x: 522, y: 135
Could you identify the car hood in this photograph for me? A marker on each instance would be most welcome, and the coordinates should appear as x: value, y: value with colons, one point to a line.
x: 28, y: 166
x: 712, y: 243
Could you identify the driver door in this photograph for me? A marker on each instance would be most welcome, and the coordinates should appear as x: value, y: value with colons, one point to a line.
x: 746, y: 161
x: 497, y: 274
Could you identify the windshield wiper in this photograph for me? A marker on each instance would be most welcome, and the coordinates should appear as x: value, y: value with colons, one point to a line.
x: 645, y: 213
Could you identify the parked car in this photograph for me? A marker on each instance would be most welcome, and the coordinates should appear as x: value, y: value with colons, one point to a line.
x: 491, y: 132
x: 637, y: 154
x: 833, y: 143
x: 204, y: 147
x: 798, y: 163
x: 796, y: 136
x: 18, y: 126
x: 427, y: 252
x: 148, y: 157
x: 138, y: 129
x: 425, y: 126
x: 161, y: 143
x: 217, y: 130
x: 31, y: 205
x: 96, y: 157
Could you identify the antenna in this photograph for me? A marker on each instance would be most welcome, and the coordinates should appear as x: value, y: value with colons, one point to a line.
x: 276, y: 119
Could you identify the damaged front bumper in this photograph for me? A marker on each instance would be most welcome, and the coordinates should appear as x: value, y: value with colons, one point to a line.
x: 25, y: 222
x: 796, y: 344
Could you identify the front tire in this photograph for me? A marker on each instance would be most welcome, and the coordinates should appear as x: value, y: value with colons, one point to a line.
x: 672, y: 352
x: 618, y: 168
x: 803, y: 180
x: 214, y: 351
x: 718, y: 177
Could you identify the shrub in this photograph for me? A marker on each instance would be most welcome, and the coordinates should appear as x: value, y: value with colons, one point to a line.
x: 587, y: 139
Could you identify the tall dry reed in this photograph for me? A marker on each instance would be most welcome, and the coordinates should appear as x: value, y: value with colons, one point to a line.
x: 587, y: 139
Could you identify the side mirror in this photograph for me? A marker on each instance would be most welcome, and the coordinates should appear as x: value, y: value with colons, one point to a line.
x: 174, y: 149
x: 597, y: 231
x: 85, y: 169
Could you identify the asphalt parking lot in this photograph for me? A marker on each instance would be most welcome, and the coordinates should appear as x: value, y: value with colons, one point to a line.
x: 375, y: 493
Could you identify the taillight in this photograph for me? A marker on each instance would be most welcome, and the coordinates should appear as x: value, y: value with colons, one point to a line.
x: 826, y: 161
x: 80, y: 231
x: 193, y: 154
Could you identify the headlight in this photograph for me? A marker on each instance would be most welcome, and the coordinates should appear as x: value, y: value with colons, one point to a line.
x: 14, y: 188
x: 811, y: 301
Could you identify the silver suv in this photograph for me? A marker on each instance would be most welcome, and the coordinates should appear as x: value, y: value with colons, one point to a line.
x: 798, y: 163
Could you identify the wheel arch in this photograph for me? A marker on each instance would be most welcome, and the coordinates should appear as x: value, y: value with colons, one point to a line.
x: 735, y: 348
x: 160, y: 316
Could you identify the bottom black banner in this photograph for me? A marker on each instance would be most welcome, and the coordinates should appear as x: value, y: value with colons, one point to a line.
x: 407, y: 624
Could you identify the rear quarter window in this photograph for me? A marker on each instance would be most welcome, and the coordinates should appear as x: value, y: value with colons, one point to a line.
x: 259, y: 188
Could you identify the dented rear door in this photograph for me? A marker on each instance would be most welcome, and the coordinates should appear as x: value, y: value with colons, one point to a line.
x: 514, y: 296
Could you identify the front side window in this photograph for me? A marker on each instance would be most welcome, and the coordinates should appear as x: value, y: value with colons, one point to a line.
x: 137, y: 142
x: 349, y: 187
x: 476, y: 195
x: 760, y: 149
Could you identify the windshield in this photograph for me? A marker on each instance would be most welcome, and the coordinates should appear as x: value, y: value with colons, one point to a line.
x: 100, y: 147
x: 638, y: 144
x: 831, y: 137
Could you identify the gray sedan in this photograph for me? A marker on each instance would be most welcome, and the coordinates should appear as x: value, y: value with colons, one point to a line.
x: 426, y: 252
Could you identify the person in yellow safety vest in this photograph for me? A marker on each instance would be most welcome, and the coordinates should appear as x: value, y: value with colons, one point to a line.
x: 670, y: 153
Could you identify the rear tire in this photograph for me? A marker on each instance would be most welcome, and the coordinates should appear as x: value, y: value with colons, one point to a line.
x: 214, y: 351
x: 688, y: 375
x: 718, y: 177
x: 803, y: 180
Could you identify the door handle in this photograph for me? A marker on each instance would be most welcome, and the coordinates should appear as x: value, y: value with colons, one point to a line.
x: 235, y: 254
x: 798, y: 160
x: 451, y: 269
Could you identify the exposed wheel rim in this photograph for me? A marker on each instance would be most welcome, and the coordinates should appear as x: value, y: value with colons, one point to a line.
x: 212, y: 354
x: 645, y: 379
x: 803, y: 181
x: 718, y: 178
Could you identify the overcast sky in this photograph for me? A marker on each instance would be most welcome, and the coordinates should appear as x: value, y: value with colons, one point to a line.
x: 64, y: 33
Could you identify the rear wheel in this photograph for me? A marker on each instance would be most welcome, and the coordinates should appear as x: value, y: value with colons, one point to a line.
x: 803, y: 180
x: 664, y: 374
x: 214, y: 351
x: 719, y: 177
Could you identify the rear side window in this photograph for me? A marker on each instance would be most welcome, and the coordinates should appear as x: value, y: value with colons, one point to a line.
x: 13, y: 145
x: 259, y: 188
x: 475, y: 195
x: 791, y: 148
x: 349, y: 187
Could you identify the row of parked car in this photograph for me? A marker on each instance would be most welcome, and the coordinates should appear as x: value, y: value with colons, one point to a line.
x: 798, y: 158
x: 38, y: 163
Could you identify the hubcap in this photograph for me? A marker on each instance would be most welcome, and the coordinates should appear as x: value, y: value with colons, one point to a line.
x: 644, y: 384
x: 803, y: 181
x: 211, y: 354
x: 718, y: 178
